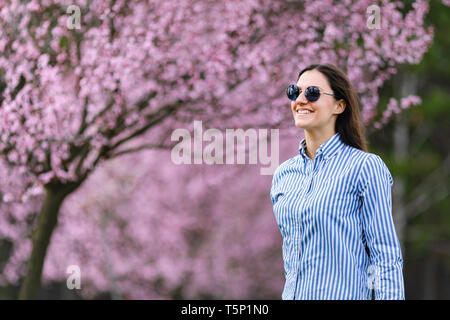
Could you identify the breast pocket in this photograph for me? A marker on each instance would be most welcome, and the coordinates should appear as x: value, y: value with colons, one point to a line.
x: 287, y: 211
x: 276, y: 195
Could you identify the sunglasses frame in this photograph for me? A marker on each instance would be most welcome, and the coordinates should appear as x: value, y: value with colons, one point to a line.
x: 296, y: 93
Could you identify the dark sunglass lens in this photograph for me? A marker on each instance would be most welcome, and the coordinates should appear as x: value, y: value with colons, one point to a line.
x: 292, y: 92
x: 312, y: 93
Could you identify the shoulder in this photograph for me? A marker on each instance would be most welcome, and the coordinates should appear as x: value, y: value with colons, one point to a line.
x: 285, y: 166
x: 356, y: 156
x: 365, y: 160
x: 371, y: 168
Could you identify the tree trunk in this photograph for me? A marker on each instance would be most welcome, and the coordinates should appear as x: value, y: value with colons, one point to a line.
x: 47, y: 221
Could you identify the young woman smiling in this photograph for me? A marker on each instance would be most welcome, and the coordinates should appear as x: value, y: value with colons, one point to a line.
x: 332, y: 201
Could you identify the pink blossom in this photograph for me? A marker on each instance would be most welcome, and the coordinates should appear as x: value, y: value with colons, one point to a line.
x: 167, y: 63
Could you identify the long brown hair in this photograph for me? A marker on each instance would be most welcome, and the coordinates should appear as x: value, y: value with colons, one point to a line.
x: 348, y: 123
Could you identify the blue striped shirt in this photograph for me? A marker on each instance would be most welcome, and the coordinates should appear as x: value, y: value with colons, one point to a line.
x: 328, y: 211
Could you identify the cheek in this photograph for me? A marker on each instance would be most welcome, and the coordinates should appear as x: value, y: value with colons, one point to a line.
x: 322, y: 115
x: 325, y: 111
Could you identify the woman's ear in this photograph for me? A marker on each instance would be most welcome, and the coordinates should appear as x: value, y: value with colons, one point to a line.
x: 340, y: 106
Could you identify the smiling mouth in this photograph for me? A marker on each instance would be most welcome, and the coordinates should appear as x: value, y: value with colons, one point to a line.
x: 303, y: 112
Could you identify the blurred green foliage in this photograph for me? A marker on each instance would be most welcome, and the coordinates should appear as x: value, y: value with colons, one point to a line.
x: 428, y: 231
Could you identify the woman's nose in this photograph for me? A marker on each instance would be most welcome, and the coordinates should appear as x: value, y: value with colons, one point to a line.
x: 301, y: 98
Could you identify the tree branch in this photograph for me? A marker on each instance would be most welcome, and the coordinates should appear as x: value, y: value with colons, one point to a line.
x: 145, y: 146
x: 155, y: 118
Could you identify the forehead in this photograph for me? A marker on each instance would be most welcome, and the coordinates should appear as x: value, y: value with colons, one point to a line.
x: 313, y: 78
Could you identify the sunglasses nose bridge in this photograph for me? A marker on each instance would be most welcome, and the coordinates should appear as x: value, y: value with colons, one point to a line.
x: 301, y: 98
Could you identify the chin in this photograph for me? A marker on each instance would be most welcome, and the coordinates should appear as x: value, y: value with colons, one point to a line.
x: 301, y: 125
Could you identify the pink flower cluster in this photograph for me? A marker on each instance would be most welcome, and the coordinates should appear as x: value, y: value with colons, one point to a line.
x: 394, y: 107
x: 134, y: 72
x: 94, y: 89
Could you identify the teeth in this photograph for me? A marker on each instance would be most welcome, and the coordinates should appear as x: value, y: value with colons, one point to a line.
x: 303, y: 111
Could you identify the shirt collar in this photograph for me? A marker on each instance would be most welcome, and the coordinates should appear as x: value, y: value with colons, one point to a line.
x: 328, y: 149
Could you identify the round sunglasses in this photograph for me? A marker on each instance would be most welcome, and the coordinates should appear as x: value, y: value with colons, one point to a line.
x: 312, y: 93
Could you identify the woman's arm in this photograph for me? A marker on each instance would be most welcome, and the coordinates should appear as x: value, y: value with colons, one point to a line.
x: 374, y: 183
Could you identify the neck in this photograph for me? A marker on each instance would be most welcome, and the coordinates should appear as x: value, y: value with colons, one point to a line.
x: 314, y: 140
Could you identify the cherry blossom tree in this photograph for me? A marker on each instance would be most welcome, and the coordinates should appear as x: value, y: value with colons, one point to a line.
x: 72, y: 98
x: 141, y: 230
x: 170, y: 233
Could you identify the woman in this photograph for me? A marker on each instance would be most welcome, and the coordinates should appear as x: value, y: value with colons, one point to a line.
x: 332, y: 201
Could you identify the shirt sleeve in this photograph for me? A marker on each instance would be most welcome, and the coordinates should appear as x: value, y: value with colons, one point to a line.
x: 386, y: 263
